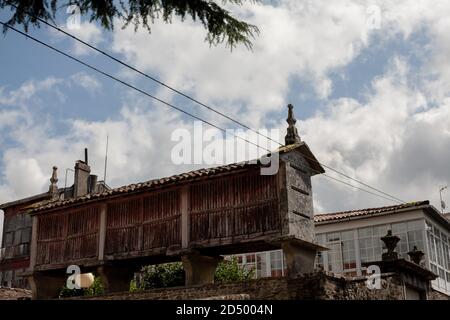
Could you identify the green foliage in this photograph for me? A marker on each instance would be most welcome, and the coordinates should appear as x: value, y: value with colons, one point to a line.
x: 66, y: 292
x: 95, y: 289
x: 219, y: 23
x: 134, y: 286
x: 172, y: 275
x: 161, y: 275
x: 230, y: 270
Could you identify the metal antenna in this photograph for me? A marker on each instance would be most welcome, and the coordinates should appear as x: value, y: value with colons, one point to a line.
x: 443, y: 206
x: 65, y: 180
x: 106, y: 158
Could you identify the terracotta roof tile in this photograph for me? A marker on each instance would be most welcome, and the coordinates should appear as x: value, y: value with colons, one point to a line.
x: 45, y: 205
x: 200, y: 173
x: 330, y: 217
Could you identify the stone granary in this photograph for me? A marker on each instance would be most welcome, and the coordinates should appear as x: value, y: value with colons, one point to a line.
x: 195, y: 217
x: 15, y: 250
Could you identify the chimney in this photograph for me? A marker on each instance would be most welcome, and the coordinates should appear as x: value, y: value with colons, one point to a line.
x: 82, y: 173
x: 53, y: 188
x: 92, y: 183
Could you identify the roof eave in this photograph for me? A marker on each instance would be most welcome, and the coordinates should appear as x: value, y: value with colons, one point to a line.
x: 376, y: 214
x: 24, y: 200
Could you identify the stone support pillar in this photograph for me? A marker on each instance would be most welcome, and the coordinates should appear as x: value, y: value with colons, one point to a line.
x: 46, y: 286
x: 115, y: 278
x: 300, y: 258
x: 199, y: 269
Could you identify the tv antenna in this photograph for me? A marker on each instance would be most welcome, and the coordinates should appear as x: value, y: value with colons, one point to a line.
x: 443, y: 205
x: 106, y: 158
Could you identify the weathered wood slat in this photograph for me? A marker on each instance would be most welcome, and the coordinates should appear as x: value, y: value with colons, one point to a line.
x: 239, y: 205
x: 68, y: 236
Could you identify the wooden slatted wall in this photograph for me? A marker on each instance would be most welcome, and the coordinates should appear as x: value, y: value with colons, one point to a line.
x: 68, y: 236
x: 239, y: 205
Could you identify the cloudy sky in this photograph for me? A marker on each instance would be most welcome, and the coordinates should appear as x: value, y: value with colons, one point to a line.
x: 370, y: 82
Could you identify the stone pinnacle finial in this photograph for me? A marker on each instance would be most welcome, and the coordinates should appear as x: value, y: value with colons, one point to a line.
x: 54, y: 178
x: 416, y: 255
x: 292, y: 133
x: 390, y: 241
x: 53, y: 189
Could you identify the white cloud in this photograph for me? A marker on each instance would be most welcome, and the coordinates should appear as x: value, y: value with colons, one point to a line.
x: 393, y: 139
x: 305, y: 41
x: 86, y: 81
x: 27, y: 90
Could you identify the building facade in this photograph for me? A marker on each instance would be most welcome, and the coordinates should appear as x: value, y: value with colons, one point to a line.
x: 15, y: 249
x: 353, y: 239
x: 17, y: 226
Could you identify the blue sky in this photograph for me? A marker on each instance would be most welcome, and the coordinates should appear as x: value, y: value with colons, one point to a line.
x: 371, y: 100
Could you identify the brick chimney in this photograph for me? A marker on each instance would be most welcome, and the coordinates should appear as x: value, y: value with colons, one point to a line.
x: 82, y: 173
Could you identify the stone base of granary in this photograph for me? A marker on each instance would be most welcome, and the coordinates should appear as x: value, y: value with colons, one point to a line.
x: 317, y: 286
x: 46, y: 286
x: 199, y: 269
x: 114, y: 278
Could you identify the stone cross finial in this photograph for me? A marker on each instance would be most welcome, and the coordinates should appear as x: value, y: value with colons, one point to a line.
x: 53, y: 189
x: 390, y: 241
x: 292, y: 133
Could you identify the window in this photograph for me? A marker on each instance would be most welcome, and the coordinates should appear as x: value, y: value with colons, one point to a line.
x: 261, y: 265
x: 250, y: 261
x: 348, y: 250
x: 439, y: 255
x: 319, y: 263
x: 276, y: 263
x: 400, y: 230
x: 415, y: 239
x: 341, y: 256
x: 335, y: 257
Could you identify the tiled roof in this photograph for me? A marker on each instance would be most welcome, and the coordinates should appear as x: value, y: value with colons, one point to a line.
x: 25, y: 200
x: 141, y: 186
x: 188, y: 176
x: 330, y: 217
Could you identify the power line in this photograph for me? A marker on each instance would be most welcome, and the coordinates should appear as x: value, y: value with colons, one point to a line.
x: 168, y: 104
x: 201, y: 103
x: 350, y: 185
x: 129, y: 85
x: 197, y: 101
x: 363, y: 183
x: 148, y: 76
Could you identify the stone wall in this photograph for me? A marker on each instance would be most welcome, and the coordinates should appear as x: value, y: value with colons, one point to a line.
x: 15, y: 250
x: 16, y: 236
x: 319, y: 286
x: 14, y: 294
x: 436, y: 295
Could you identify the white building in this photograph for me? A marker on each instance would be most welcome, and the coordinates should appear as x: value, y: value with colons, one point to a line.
x: 353, y: 237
